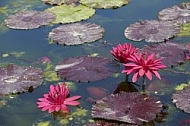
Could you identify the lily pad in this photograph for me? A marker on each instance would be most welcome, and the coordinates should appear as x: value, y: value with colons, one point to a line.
x: 76, y: 33
x: 185, y: 29
x: 71, y: 13
x: 173, y: 53
x: 178, y: 13
x: 104, y: 3
x: 130, y: 107
x: 29, y: 19
x: 59, y: 2
x: 86, y: 69
x: 107, y: 123
x: 152, y: 31
x: 14, y: 79
x: 182, y: 99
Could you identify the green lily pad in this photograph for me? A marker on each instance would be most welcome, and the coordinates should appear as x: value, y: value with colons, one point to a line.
x: 104, y: 3
x: 71, y: 13
x: 185, y: 29
x: 59, y: 2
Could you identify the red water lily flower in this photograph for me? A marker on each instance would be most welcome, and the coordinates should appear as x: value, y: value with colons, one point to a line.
x: 57, y: 100
x: 143, y: 64
x: 122, y: 52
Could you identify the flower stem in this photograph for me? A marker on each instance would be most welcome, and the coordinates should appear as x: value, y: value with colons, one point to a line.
x: 144, y: 85
x: 126, y: 78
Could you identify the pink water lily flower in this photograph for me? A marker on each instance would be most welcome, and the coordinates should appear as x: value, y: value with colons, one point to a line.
x: 143, y: 64
x: 123, y: 52
x: 57, y: 99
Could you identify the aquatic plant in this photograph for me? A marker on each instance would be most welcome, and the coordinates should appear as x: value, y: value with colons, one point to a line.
x: 152, y: 31
x: 143, y: 64
x: 76, y: 33
x: 104, y: 3
x: 123, y: 52
x: 57, y: 99
x: 86, y: 69
x: 181, y: 99
x: 18, y: 79
x: 178, y: 13
x: 59, y: 2
x: 130, y: 107
x: 71, y: 13
x: 173, y: 53
x: 29, y: 19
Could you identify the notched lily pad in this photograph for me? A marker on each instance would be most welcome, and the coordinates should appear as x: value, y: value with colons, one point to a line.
x: 71, y: 13
x: 135, y: 109
x: 29, y: 19
x: 177, y: 13
x: 76, y: 33
x: 104, y: 3
x: 152, y: 31
x: 86, y: 69
x: 182, y: 99
x: 173, y: 53
x: 14, y: 79
x: 59, y: 2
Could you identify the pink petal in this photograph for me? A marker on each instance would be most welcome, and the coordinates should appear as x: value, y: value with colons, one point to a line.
x: 141, y: 72
x: 135, y: 77
x: 149, y: 75
x: 156, y: 74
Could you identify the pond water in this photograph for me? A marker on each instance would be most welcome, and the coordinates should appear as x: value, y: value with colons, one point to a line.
x: 30, y: 45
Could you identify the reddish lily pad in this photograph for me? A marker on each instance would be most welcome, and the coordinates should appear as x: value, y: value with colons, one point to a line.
x: 152, y: 31
x: 76, y: 33
x: 14, y: 79
x: 173, y: 53
x: 182, y: 99
x: 130, y: 107
x: 107, y: 123
x: 29, y: 19
x: 177, y: 13
x: 86, y: 69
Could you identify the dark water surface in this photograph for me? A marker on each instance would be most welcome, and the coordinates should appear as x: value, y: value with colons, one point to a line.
x: 21, y: 110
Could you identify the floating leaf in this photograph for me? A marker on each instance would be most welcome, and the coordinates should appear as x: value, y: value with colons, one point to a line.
x: 29, y: 19
x: 130, y: 107
x: 85, y: 69
x: 185, y: 29
x: 71, y: 13
x: 173, y: 53
x: 59, y: 2
x: 152, y: 31
x: 177, y: 13
x: 76, y: 33
x: 107, y: 123
x: 14, y: 79
x: 182, y: 99
x: 104, y: 3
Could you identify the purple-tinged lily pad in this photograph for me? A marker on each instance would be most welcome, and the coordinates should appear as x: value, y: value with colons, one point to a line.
x: 177, y: 13
x: 152, y: 31
x: 76, y: 33
x: 173, y: 53
x: 17, y: 79
x: 29, y: 19
x: 182, y: 99
x: 107, y: 123
x: 86, y: 69
x: 130, y: 107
